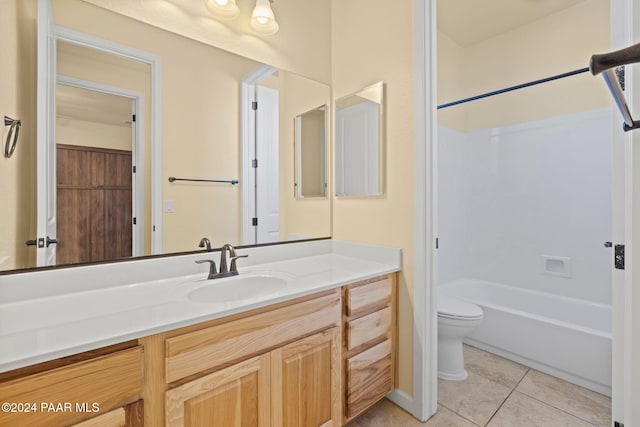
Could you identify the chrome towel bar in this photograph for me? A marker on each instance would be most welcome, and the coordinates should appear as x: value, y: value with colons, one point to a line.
x: 224, y: 181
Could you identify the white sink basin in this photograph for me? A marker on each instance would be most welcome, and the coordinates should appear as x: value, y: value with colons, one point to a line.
x: 237, y: 288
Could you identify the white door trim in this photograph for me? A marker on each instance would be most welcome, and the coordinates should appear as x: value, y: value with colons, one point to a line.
x: 631, y: 339
x: 45, y: 137
x: 155, y: 63
x: 137, y: 148
x: 625, y: 31
x: 247, y: 148
x: 424, y: 402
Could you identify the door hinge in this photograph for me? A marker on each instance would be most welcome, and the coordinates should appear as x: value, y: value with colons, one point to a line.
x: 154, y: 228
x: 133, y: 118
x: 437, y: 243
x: 134, y: 220
x: 254, y: 105
x: 254, y: 222
x: 254, y: 163
x: 134, y: 169
x: 618, y: 257
x: 618, y: 424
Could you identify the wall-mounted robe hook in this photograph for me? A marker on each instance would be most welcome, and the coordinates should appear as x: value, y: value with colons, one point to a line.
x: 12, y: 136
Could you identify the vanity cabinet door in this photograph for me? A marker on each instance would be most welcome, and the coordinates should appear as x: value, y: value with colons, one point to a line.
x: 237, y: 396
x: 305, y: 378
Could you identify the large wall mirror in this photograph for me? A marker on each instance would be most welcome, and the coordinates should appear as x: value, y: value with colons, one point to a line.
x: 116, y: 150
x: 359, y: 142
x: 310, y: 153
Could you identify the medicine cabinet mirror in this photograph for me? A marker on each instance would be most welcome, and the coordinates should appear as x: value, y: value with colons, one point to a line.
x: 310, y: 153
x: 360, y: 143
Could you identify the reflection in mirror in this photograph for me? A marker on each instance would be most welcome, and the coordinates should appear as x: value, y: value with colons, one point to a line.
x: 359, y: 142
x: 94, y: 179
x: 200, y: 124
x: 310, y: 153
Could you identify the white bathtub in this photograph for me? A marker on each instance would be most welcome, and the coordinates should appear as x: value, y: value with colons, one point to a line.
x: 565, y: 337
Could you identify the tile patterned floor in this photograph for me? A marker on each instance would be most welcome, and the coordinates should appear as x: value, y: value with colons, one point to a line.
x: 501, y: 393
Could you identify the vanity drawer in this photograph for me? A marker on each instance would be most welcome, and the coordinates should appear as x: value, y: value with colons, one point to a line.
x: 369, y: 377
x: 370, y: 295
x: 111, y: 381
x: 221, y: 345
x: 369, y: 327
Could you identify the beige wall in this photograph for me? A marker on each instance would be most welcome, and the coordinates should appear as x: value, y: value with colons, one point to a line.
x: 92, y: 134
x: 552, y: 45
x: 18, y: 101
x: 310, y: 217
x: 365, y: 51
x: 302, y: 45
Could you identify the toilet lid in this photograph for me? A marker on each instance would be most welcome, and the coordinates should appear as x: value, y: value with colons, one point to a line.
x: 458, y: 309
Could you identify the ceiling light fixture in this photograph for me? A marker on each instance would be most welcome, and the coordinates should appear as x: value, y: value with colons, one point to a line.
x: 262, y: 19
x: 226, y: 9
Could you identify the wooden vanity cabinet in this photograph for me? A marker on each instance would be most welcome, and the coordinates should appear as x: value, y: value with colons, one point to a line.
x: 99, y: 388
x: 369, y: 345
x: 293, y: 364
x: 280, y: 367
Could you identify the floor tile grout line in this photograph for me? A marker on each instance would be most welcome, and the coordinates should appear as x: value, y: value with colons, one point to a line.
x: 559, y: 409
x: 507, y: 398
x: 453, y: 411
x: 552, y: 405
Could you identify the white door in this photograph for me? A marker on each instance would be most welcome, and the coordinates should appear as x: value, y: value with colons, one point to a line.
x: 267, y: 176
x: 626, y: 230
x: 357, y: 142
x: 46, y: 157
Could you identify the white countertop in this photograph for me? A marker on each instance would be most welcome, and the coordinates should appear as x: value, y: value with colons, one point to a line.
x: 63, y: 312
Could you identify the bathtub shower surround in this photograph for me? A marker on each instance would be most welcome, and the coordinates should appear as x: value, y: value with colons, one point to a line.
x: 565, y: 337
x: 524, y: 211
x: 510, y: 195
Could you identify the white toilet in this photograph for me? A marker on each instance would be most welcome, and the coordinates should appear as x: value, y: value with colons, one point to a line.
x: 456, y: 320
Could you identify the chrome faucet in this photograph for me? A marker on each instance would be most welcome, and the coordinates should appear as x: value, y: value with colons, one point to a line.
x: 232, y: 258
x: 205, y: 242
x: 224, y: 271
x: 212, y: 267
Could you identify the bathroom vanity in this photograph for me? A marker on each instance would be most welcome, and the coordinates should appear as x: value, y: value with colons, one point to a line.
x: 315, y: 352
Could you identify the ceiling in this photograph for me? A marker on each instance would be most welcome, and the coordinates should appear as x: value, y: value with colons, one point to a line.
x: 91, y: 106
x: 471, y: 21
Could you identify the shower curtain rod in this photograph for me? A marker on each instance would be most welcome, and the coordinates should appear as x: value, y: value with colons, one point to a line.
x: 606, y: 64
x: 512, y: 88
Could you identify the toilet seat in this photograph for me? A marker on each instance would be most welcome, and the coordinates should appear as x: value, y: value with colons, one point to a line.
x: 453, y: 308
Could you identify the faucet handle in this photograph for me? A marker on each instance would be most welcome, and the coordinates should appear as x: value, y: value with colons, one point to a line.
x: 212, y: 267
x: 234, y: 268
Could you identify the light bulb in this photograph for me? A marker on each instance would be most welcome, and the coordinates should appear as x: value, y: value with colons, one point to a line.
x: 262, y: 19
x: 225, y: 9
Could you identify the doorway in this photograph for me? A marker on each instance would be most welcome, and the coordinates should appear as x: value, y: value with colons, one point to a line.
x: 96, y: 143
x: 625, y: 32
x: 99, y: 142
x: 260, y: 156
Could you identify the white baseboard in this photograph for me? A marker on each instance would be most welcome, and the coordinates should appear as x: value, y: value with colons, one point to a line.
x: 402, y: 399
